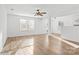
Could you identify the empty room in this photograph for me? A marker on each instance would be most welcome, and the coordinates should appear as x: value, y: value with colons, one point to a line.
x: 39, y: 29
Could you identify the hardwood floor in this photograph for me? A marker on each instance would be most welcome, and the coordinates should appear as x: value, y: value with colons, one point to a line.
x: 37, y: 45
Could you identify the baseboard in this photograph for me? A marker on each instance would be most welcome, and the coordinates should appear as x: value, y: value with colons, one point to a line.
x: 65, y: 41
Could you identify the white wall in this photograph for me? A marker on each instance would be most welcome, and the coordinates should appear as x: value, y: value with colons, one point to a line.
x: 14, y: 25
x: 69, y: 31
x: 3, y: 26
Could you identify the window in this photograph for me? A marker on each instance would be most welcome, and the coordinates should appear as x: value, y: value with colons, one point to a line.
x: 26, y: 25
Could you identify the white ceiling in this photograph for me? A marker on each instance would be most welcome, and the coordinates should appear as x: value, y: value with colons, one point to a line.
x: 52, y: 9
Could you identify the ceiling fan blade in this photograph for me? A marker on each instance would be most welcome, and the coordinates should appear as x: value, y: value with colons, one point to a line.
x: 43, y: 13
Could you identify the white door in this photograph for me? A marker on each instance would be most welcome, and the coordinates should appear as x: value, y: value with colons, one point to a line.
x: 45, y: 25
x: 42, y: 26
x: 55, y: 25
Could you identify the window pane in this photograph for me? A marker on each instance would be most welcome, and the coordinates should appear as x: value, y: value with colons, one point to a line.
x: 26, y: 25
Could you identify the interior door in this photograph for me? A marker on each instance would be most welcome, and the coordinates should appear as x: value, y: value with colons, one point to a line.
x: 42, y: 26
x: 45, y: 25
x: 55, y: 25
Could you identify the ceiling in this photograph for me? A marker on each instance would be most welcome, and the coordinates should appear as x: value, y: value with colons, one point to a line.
x: 54, y: 10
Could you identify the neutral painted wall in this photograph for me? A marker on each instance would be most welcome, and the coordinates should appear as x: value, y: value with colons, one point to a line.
x: 3, y: 25
x: 0, y: 27
x: 69, y: 31
x: 14, y: 25
x: 56, y: 27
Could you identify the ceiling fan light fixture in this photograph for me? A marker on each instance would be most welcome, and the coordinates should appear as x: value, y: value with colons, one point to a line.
x: 39, y: 13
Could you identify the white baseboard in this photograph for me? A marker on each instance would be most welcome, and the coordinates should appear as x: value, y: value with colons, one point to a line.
x: 62, y: 39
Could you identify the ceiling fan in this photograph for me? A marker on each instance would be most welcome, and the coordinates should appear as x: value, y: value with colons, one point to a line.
x: 39, y: 13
